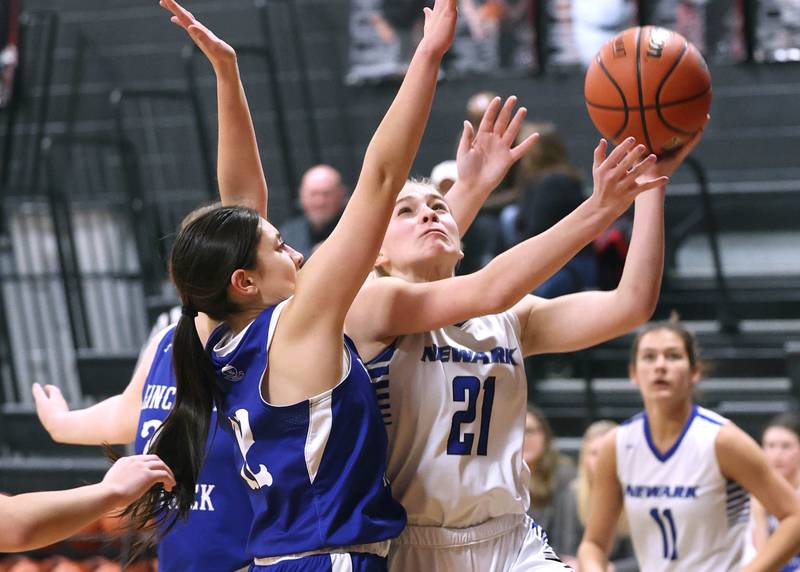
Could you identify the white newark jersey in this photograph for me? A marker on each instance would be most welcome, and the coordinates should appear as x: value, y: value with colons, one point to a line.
x: 683, y: 513
x: 454, y: 403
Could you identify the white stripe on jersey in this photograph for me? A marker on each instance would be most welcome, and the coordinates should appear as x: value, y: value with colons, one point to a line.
x: 341, y: 563
x: 319, y: 429
x: 683, y: 513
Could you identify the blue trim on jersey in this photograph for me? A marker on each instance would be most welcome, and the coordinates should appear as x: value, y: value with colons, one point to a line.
x: 385, y: 354
x: 663, y: 457
x: 710, y: 419
x: 632, y: 419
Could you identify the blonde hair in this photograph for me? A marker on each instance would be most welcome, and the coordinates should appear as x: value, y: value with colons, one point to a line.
x: 584, y: 482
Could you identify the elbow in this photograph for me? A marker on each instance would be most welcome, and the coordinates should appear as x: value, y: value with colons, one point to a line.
x: 17, y: 538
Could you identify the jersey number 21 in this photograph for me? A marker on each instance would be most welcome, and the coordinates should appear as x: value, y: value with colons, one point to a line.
x: 466, y: 388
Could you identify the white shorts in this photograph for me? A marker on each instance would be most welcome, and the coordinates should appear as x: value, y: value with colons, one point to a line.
x: 509, y: 543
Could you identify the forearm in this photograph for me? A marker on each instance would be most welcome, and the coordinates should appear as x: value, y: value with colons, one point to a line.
x: 33, y: 520
x: 109, y: 421
x: 239, y: 170
x: 591, y: 558
x: 640, y: 283
x: 465, y: 201
x: 780, y: 547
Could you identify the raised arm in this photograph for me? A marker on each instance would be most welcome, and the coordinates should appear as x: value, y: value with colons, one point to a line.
x: 606, y: 504
x: 389, y: 307
x: 33, y: 520
x: 330, y: 280
x: 550, y: 325
x: 485, y: 157
x: 239, y: 171
x: 741, y: 460
x: 113, y: 420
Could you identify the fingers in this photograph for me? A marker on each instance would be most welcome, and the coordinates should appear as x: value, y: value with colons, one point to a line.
x: 504, y: 117
x: 522, y: 149
x: 632, y: 158
x: 516, y: 124
x: 621, y: 150
x: 183, y: 16
x: 600, y: 153
x: 490, y: 116
x: 467, y: 135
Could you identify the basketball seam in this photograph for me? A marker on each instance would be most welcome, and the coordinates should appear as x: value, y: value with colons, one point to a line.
x: 661, y: 86
x: 621, y: 94
x: 639, y: 88
x: 648, y: 107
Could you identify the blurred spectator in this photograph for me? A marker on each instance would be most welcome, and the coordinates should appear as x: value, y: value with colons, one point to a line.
x: 569, y: 531
x: 550, y: 189
x: 551, y: 473
x: 517, y: 35
x: 322, y: 199
x: 594, y: 23
x: 9, y: 55
x: 476, y: 107
x: 444, y: 175
x: 781, y: 443
x: 401, y: 21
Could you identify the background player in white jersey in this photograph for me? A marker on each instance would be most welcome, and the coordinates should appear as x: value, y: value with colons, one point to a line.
x: 446, y: 352
x: 683, y: 474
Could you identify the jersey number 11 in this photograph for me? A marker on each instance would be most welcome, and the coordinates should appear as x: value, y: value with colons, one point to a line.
x: 466, y: 388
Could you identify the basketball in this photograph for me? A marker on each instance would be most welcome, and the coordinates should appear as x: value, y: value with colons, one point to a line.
x: 649, y: 83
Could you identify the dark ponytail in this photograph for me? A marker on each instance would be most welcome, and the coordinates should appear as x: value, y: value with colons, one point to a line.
x: 204, y: 256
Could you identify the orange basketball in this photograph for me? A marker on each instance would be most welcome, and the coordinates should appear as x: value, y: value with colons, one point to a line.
x: 649, y: 83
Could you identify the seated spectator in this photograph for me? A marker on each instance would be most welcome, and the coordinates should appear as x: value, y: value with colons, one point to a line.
x: 551, y: 473
x: 551, y: 188
x: 570, y: 531
x: 781, y: 443
x: 322, y: 199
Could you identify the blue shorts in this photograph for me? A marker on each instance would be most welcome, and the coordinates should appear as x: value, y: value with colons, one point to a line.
x: 355, y: 561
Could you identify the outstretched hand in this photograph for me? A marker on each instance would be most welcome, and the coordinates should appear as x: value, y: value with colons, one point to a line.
x: 217, y: 51
x: 440, y: 26
x: 50, y: 406
x: 130, y: 477
x: 622, y: 175
x: 485, y: 157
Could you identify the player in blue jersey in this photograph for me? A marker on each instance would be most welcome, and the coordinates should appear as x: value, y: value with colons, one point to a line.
x: 300, y: 402
x: 683, y: 474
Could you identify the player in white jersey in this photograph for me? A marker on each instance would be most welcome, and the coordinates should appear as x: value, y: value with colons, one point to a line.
x: 446, y: 353
x: 683, y: 474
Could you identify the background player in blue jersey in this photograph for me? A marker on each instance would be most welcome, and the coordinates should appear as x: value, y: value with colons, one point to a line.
x: 781, y: 444
x: 299, y: 400
x: 683, y: 474
x: 34, y: 520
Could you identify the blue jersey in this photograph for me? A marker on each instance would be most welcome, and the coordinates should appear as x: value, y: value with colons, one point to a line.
x: 214, y: 537
x: 317, y: 467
